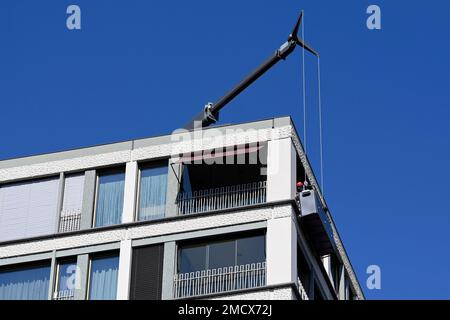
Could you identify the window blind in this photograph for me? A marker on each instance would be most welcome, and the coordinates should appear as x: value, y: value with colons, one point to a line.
x: 152, y: 194
x: 146, y: 273
x: 28, y: 209
x: 103, y: 277
x: 73, y: 194
x: 110, y: 196
x: 25, y: 282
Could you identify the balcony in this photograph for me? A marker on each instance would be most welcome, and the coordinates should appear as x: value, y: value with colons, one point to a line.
x: 220, y: 280
x: 69, y: 221
x: 221, y: 198
x: 63, y: 295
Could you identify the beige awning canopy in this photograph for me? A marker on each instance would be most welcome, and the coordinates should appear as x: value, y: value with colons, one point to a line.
x: 216, y: 153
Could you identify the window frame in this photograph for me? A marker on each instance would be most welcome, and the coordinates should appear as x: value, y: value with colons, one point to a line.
x: 143, y: 166
x: 206, y: 241
x: 59, y: 262
x: 30, y: 181
x: 94, y: 256
x: 44, y: 263
x: 98, y: 174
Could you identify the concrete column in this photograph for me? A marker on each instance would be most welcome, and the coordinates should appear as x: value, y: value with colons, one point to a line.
x: 82, y: 277
x: 124, y: 276
x: 170, y: 253
x: 173, y: 174
x: 129, y: 201
x: 281, y: 251
x: 87, y: 209
x: 59, y: 205
x: 52, y: 281
x: 281, y: 170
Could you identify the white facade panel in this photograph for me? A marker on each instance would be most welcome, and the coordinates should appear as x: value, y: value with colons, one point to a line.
x: 281, y: 251
x: 281, y: 170
x: 129, y: 201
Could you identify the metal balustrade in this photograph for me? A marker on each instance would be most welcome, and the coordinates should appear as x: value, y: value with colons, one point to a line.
x: 301, y: 290
x: 69, y: 221
x: 64, y: 295
x: 221, y: 198
x: 220, y: 280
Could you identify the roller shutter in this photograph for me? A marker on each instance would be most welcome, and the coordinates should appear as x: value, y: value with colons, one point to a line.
x: 146, y: 276
x: 28, y: 209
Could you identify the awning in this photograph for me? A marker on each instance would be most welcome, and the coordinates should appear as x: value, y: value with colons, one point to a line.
x: 198, y: 156
x: 213, y: 154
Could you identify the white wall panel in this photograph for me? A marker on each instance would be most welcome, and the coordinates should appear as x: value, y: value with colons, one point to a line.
x: 281, y: 251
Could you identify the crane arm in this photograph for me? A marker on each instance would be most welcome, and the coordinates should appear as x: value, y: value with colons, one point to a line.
x: 210, y: 113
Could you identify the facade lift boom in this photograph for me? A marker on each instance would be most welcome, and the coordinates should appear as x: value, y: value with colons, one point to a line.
x: 210, y: 113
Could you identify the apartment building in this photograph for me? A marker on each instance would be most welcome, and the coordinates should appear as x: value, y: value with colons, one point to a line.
x: 204, y: 214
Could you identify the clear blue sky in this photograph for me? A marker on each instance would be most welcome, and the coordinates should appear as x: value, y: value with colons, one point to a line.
x: 140, y: 68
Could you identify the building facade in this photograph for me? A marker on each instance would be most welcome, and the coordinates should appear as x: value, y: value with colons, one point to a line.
x: 205, y: 214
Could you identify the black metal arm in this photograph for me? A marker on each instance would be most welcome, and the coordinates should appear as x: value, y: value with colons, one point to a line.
x: 210, y: 114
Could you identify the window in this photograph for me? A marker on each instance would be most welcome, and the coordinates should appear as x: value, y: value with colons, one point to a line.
x: 146, y: 273
x: 222, y: 179
x: 152, y: 191
x: 223, y: 253
x: 234, y: 263
x: 73, y: 193
x: 109, y: 200
x: 28, y: 209
x: 103, y: 277
x: 65, y: 280
x: 250, y: 250
x: 223, y: 168
x: 26, y: 282
x: 192, y: 258
x: 72, y: 203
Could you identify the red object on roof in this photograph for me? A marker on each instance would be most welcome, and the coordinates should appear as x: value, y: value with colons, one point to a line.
x: 299, y: 184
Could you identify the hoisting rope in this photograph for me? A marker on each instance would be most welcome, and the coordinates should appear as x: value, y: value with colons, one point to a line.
x: 319, y: 107
x: 304, y: 87
x: 320, y: 125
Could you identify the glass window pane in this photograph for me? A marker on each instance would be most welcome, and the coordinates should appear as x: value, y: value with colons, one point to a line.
x: 251, y: 250
x: 110, y: 199
x: 192, y: 259
x: 186, y: 182
x: 152, y: 193
x: 25, y: 283
x: 222, y: 254
x: 67, y: 276
x: 103, y: 278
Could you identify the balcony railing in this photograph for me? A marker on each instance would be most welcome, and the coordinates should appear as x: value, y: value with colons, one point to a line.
x: 220, y: 280
x: 69, y: 221
x: 63, y: 295
x: 221, y: 198
x: 301, y: 290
